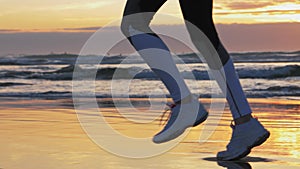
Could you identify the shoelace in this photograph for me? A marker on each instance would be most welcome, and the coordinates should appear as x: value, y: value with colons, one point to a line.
x: 232, y: 125
x: 168, y: 108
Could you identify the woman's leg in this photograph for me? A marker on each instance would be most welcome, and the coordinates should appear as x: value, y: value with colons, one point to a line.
x: 248, y: 132
x: 198, y: 15
x: 157, y: 55
x: 151, y: 48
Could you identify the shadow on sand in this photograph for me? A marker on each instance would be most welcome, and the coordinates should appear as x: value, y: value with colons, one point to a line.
x: 238, y: 164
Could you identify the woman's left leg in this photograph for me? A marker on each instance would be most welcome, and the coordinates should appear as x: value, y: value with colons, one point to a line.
x: 135, y: 25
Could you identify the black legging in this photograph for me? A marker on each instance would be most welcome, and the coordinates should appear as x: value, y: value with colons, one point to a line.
x: 199, y: 23
x: 197, y: 12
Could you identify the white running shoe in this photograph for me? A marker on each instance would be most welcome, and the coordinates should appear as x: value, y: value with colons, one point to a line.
x: 182, y: 116
x: 244, y: 138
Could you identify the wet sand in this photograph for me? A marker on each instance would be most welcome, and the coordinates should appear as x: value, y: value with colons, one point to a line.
x: 46, y: 134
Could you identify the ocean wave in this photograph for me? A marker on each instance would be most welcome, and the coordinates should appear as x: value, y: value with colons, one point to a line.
x: 66, y: 73
x: 276, y: 72
x: 48, y: 94
x: 274, y: 92
x: 4, y: 74
x: 279, y: 91
x: 58, y: 94
x: 284, y: 88
x: 67, y: 59
x: 61, y: 59
x: 266, y: 56
x: 9, y: 84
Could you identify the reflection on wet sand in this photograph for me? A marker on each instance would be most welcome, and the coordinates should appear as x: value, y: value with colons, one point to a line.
x: 46, y: 134
x: 234, y: 165
x: 239, y: 164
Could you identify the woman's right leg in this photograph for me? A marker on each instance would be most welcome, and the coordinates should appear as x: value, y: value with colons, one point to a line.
x: 198, y: 15
x: 247, y: 132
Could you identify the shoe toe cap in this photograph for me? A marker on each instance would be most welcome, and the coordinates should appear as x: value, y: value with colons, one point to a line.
x: 157, y: 139
x: 222, y: 155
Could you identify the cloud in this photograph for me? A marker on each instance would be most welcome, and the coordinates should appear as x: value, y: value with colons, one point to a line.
x: 82, y: 29
x: 61, y: 30
x: 259, y: 4
x: 92, y: 5
x: 248, y: 5
x: 270, y: 12
x: 261, y: 8
x: 9, y: 30
x: 285, y: 1
x: 59, y: 6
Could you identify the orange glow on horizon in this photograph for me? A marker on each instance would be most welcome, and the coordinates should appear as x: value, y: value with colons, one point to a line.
x: 47, y: 15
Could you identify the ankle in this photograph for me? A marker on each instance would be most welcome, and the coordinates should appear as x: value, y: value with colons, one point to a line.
x: 186, y: 99
x: 243, y: 119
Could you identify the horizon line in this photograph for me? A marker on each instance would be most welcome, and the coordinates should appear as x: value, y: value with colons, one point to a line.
x: 92, y: 29
x: 124, y: 54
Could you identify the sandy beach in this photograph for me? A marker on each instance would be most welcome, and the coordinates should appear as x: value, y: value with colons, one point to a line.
x: 84, y: 84
x: 40, y: 133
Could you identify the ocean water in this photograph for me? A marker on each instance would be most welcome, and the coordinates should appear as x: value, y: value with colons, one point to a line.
x: 262, y: 74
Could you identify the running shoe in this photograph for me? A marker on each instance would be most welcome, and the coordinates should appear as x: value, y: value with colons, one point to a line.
x: 244, y: 137
x: 182, y: 116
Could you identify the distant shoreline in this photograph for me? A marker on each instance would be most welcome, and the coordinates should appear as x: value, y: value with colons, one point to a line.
x: 70, y: 54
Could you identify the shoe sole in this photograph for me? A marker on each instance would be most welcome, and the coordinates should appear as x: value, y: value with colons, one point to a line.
x: 200, y: 120
x: 258, y: 142
x: 179, y: 132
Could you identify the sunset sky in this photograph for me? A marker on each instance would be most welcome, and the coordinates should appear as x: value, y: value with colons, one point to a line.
x: 74, y: 16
